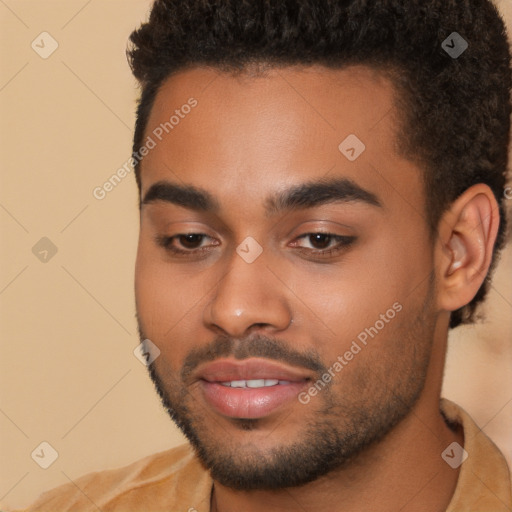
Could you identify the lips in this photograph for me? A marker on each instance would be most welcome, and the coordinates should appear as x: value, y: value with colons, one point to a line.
x: 252, y: 388
x: 226, y: 370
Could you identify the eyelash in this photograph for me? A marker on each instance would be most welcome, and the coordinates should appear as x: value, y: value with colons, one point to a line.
x: 343, y: 242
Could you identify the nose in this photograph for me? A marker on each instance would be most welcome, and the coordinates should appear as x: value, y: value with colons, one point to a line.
x: 248, y: 296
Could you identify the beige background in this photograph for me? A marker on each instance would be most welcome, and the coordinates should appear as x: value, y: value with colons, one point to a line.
x: 68, y: 375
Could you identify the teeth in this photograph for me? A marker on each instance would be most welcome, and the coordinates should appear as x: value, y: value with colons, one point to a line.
x: 254, y: 383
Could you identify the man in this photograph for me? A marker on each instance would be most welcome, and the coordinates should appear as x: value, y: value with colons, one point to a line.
x: 321, y: 200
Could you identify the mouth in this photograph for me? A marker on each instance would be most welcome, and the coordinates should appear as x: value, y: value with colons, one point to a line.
x: 249, y: 389
x: 255, y: 383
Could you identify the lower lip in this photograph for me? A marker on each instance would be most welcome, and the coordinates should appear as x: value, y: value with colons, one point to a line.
x: 249, y: 403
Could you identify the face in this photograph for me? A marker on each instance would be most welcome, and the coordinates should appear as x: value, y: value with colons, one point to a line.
x: 283, y: 269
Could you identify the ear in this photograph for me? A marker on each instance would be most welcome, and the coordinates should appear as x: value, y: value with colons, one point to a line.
x: 466, y: 237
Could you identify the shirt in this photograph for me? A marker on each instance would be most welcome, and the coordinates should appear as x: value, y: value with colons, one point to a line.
x: 175, y: 481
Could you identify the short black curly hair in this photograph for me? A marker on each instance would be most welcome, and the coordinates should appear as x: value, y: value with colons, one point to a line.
x: 455, y: 111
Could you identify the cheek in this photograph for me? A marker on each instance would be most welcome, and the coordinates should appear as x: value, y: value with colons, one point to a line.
x: 165, y: 298
x: 350, y: 297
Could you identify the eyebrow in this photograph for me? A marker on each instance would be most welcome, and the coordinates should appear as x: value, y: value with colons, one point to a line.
x: 317, y: 193
x: 296, y: 197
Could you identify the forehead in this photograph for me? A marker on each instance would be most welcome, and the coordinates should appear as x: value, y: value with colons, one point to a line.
x: 251, y: 135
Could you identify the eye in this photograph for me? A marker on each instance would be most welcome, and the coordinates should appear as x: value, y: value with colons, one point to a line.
x: 185, y: 243
x: 324, y: 244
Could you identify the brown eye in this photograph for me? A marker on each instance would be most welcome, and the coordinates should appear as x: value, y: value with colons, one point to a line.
x: 186, y: 244
x: 191, y: 240
x: 320, y: 240
x: 323, y: 245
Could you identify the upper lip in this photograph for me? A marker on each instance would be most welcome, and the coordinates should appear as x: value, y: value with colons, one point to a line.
x: 225, y: 370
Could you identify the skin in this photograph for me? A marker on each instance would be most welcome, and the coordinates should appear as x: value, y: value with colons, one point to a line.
x: 248, y: 138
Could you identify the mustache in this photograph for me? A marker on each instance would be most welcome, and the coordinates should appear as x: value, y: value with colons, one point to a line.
x: 253, y: 346
x: 257, y: 345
